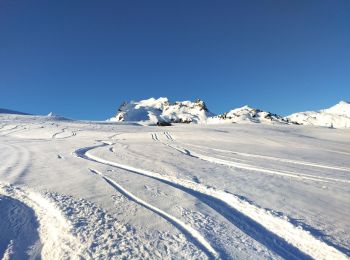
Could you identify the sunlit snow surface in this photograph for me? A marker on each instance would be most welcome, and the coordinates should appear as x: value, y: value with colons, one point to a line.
x: 94, y: 190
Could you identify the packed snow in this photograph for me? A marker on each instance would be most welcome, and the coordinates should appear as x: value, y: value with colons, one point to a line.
x: 337, y: 116
x: 119, y: 190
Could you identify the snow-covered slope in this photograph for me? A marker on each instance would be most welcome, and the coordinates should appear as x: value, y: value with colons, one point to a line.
x: 96, y: 190
x: 337, y: 116
x: 156, y: 111
x: 247, y: 114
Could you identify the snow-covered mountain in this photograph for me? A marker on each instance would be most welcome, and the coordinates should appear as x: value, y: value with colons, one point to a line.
x: 247, y: 114
x: 161, y: 111
x: 337, y: 116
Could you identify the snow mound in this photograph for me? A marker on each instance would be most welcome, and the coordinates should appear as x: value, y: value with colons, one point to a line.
x: 161, y: 111
x: 247, y: 114
x: 337, y: 116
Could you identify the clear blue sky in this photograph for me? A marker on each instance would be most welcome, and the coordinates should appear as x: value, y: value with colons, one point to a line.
x: 81, y: 59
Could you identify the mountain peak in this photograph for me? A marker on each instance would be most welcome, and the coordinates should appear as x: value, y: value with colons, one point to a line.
x: 342, y: 108
x: 337, y: 116
x: 343, y: 102
x: 249, y: 115
x: 155, y: 111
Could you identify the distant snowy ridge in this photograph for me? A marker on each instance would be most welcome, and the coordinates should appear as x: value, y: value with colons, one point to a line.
x: 161, y: 111
x: 247, y: 114
x: 337, y: 116
x: 8, y: 111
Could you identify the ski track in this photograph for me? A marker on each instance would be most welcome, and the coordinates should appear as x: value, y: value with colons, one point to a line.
x: 306, y: 163
x: 54, y: 238
x: 14, y: 129
x: 168, y: 136
x: 154, y: 137
x: 195, y: 236
x: 9, y: 159
x: 276, y: 233
x: 18, y: 162
x: 245, y: 166
x: 249, y: 167
x: 58, y: 133
x: 331, y: 167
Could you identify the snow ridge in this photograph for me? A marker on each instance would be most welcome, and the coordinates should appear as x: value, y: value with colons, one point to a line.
x: 337, y: 116
x: 248, y: 114
x: 161, y: 111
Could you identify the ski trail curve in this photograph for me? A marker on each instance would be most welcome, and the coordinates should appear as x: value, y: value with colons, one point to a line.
x: 19, y: 160
x: 255, y: 168
x: 56, y: 240
x: 58, y: 133
x: 306, y: 163
x: 276, y: 233
x: 195, y: 236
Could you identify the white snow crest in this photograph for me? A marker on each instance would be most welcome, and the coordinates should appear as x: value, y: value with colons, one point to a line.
x: 161, y: 110
x: 337, y: 116
x: 247, y: 114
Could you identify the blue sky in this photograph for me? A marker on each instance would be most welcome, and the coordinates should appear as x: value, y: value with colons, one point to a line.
x: 81, y: 59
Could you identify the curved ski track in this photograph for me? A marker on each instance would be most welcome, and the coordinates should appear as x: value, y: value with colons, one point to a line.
x: 53, y: 239
x: 255, y: 168
x: 317, y: 165
x: 188, y: 230
x: 277, y: 234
